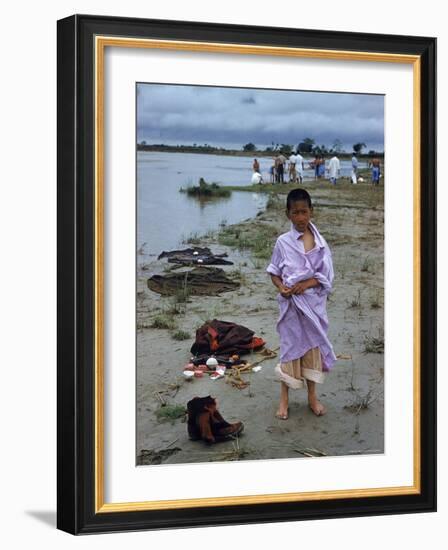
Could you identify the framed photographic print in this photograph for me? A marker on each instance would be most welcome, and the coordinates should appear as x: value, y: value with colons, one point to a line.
x: 246, y: 274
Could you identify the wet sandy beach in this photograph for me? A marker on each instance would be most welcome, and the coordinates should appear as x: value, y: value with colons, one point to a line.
x: 351, y: 218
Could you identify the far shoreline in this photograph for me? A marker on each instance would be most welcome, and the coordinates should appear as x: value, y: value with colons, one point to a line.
x: 245, y: 154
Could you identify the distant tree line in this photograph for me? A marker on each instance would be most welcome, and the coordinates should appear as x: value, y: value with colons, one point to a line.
x: 308, y: 145
x: 206, y: 148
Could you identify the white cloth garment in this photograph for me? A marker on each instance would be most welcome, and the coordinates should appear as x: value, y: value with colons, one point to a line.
x: 256, y: 177
x: 299, y: 164
x: 334, y: 167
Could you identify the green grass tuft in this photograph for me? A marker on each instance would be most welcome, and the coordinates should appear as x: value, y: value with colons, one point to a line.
x: 180, y: 335
x: 163, y: 321
x: 170, y: 412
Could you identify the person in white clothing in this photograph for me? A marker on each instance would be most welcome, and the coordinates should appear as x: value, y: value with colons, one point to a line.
x: 292, y: 168
x: 354, y: 169
x: 334, y: 169
x: 299, y: 167
x: 257, y: 178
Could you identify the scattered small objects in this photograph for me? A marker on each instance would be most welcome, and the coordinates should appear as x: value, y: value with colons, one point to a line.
x: 257, y: 368
x: 171, y: 390
x: 160, y: 398
x: 313, y: 453
x: 268, y: 354
x: 235, y: 379
x: 366, y: 452
x: 189, y: 374
x: 149, y: 457
x: 228, y: 362
x: 235, y: 454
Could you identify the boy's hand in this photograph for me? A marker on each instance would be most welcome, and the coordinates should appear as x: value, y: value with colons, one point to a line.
x: 299, y: 287
x: 284, y: 291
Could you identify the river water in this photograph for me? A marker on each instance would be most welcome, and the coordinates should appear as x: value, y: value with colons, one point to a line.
x: 165, y: 216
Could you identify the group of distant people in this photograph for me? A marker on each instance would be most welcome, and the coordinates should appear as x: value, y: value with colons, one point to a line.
x: 294, y: 167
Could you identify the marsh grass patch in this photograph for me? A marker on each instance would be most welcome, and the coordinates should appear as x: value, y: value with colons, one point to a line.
x: 257, y: 238
x: 180, y: 335
x: 206, y: 190
x: 170, y: 413
x: 375, y: 303
x: 355, y: 302
x: 163, y: 321
x: 374, y: 344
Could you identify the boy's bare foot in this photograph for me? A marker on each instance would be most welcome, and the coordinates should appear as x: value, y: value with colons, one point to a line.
x: 282, y: 412
x: 317, y: 407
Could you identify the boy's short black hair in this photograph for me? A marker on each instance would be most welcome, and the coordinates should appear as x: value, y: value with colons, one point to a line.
x: 298, y: 195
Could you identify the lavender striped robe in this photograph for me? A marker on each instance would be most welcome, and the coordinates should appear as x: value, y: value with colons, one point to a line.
x: 303, y: 321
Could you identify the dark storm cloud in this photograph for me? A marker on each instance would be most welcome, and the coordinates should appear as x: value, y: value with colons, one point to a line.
x: 232, y: 117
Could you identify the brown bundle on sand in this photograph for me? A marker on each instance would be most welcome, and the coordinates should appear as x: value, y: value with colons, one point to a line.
x: 225, y: 338
x: 200, y: 281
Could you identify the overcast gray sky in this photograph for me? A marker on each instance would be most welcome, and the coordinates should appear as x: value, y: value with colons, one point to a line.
x: 232, y: 117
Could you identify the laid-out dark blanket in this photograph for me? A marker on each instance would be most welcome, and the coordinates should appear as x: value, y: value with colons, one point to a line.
x: 225, y: 338
x: 195, y: 256
x: 200, y: 281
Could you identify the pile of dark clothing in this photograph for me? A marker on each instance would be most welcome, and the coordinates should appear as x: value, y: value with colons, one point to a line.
x: 225, y: 339
x: 195, y: 256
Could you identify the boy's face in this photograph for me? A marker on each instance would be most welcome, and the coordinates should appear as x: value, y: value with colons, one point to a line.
x: 300, y: 215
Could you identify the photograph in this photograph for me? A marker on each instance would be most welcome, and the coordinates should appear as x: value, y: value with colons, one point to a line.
x: 246, y: 274
x: 259, y: 273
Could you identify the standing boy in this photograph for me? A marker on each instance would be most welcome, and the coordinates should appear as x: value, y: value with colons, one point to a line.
x: 301, y: 268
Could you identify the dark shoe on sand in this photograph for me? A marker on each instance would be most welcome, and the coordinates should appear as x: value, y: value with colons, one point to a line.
x: 229, y: 432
